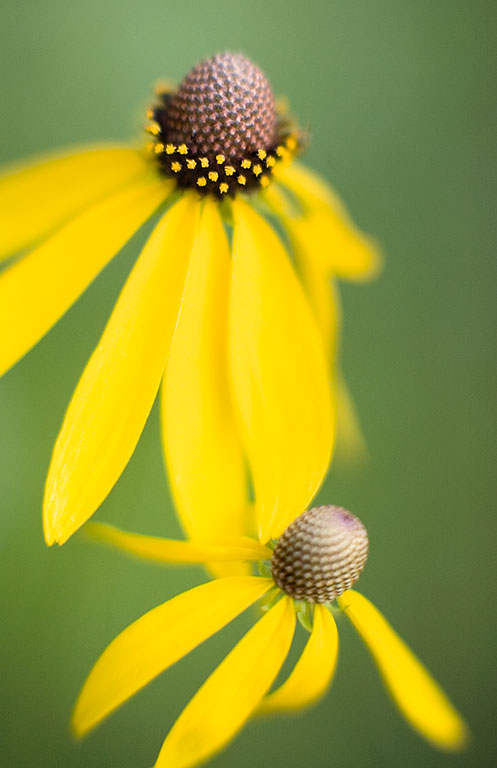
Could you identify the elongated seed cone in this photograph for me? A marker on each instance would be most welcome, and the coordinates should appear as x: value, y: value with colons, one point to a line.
x: 321, y: 554
x: 224, y: 105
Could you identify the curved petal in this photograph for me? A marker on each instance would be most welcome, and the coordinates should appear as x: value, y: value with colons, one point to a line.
x: 280, y: 378
x: 321, y: 291
x: 201, y: 444
x: 228, y: 697
x: 162, y: 550
x: 37, y: 198
x: 331, y: 235
x: 422, y: 702
x: 324, y: 298
x: 315, y: 278
x: 351, y: 443
x: 313, y: 671
x: 36, y: 290
x: 159, y: 639
x: 325, y: 302
x: 115, y: 394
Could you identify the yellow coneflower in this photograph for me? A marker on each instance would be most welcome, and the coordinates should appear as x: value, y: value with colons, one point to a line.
x: 315, y: 562
x: 235, y: 329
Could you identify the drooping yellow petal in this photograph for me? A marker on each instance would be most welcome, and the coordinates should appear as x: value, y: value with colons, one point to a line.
x: 324, y: 299
x: 422, y: 702
x: 280, y: 379
x: 315, y: 278
x: 159, y: 639
x: 162, y: 550
x: 37, y: 198
x: 325, y: 302
x: 36, y: 290
x: 351, y: 443
x: 331, y: 234
x: 201, y: 444
x: 115, y: 394
x: 312, y: 673
x: 229, y: 696
x: 321, y: 291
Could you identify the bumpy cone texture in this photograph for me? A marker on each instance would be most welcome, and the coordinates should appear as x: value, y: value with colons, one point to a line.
x: 224, y: 105
x: 321, y: 554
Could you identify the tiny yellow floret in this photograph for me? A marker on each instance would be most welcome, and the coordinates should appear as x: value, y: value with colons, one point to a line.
x: 264, y: 181
x: 257, y: 170
x: 242, y: 180
x: 261, y: 154
x: 191, y: 163
x: 170, y: 149
x: 183, y: 149
x: 220, y: 159
x: 246, y: 163
x: 204, y: 162
x: 270, y: 162
x: 176, y: 167
x: 229, y: 170
x: 158, y: 148
x: 153, y: 128
x: 223, y: 187
x: 202, y: 181
x: 213, y: 175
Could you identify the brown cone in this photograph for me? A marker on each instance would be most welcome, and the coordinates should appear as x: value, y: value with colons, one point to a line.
x: 321, y: 554
x: 224, y: 105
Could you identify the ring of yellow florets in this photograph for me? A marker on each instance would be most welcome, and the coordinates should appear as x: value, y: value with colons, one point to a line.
x: 215, y: 175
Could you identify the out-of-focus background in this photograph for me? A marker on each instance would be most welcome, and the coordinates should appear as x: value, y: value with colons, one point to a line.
x: 400, y: 101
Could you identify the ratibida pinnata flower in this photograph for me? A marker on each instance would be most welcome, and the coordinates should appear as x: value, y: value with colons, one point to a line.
x: 307, y: 574
x: 239, y: 328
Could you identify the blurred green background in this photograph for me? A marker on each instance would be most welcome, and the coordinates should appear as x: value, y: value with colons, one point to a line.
x: 399, y: 97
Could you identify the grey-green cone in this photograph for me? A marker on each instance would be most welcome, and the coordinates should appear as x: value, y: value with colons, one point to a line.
x: 321, y: 554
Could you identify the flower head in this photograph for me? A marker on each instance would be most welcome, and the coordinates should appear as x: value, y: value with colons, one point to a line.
x: 316, y: 561
x: 220, y: 131
x: 242, y: 337
x: 320, y: 555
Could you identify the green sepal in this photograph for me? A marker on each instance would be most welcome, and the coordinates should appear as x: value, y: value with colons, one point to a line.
x: 226, y: 210
x: 305, y: 613
x: 265, y: 569
x: 270, y: 600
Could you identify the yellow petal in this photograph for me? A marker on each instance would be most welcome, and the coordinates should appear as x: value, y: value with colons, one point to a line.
x: 229, y: 696
x: 351, y: 443
x: 422, y: 702
x: 115, y: 394
x: 169, y: 551
x: 324, y: 299
x: 201, y: 444
x: 35, y: 199
x: 332, y: 236
x: 36, y: 290
x: 312, y: 673
x: 321, y: 291
x: 325, y: 302
x: 315, y: 278
x: 280, y: 378
x: 159, y: 639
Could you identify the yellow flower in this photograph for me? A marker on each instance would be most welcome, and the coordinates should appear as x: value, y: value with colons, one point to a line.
x: 316, y: 561
x: 241, y: 337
